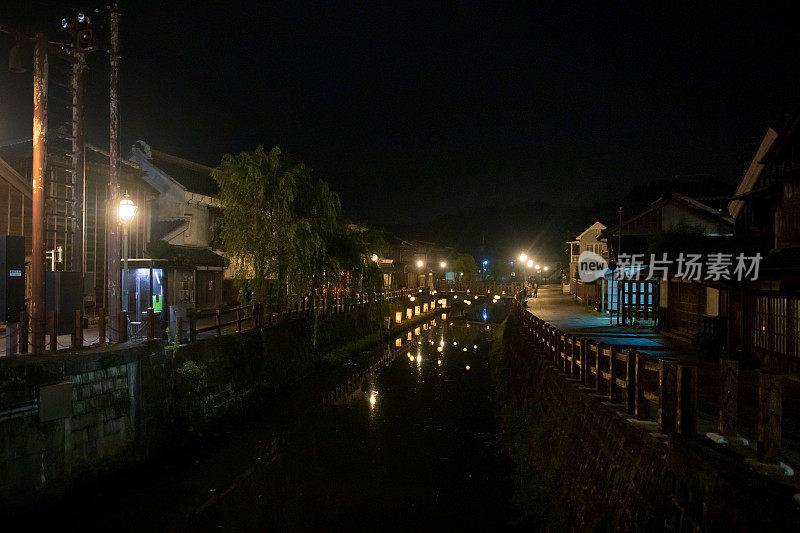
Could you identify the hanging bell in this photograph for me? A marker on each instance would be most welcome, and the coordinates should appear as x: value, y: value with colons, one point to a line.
x: 16, y: 59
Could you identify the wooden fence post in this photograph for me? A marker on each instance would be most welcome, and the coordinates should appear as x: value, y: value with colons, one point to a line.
x: 728, y: 397
x: 24, y: 324
x: 600, y: 385
x: 101, y: 325
x: 54, y: 330
x: 769, y: 416
x: 667, y: 396
x: 151, y: 324
x: 641, y: 409
x: 630, y: 376
x: 582, y: 356
x: 192, y: 325
x: 123, y: 326
x: 77, y: 337
x: 614, y: 394
x: 687, y: 399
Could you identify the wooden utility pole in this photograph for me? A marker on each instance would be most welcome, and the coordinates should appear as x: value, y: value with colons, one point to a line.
x: 112, y: 220
x: 40, y: 75
x: 77, y: 87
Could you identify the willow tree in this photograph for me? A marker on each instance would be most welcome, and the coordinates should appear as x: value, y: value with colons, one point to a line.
x: 281, y: 226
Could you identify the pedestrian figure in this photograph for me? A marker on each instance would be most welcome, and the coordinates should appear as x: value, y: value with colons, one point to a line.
x: 535, y: 290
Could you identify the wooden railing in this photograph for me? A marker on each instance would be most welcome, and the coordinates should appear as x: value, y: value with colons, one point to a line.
x: 494, y: 287
x: 631, y: 380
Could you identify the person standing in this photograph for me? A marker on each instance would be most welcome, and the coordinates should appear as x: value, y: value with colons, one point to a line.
x: 535, y: 290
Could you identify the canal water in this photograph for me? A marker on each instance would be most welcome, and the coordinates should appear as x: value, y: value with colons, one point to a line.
x: 410, y: 440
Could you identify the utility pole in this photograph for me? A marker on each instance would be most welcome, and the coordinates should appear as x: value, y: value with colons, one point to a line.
x: 77, y: 87
x: 622, y: 273
x: 40, y: 75
x: 112, y: 220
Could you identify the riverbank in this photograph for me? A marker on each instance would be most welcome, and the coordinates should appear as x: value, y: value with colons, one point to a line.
x: 580, y: 465
x: 80, y: 415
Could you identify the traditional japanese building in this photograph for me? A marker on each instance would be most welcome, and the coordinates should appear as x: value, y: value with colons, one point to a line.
x: 15, y: 210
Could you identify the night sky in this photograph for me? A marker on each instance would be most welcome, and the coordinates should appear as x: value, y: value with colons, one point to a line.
x: 411, y: 110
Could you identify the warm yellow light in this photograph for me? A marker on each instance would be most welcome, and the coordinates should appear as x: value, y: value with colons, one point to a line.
x: 443, y: 264
x: 546, y: 268
x: 439, y: 362
x: 467, y: 367
x: 523, y: 257
x: 455, y: 343
x: 398, y: 316
x: 127, y: 210
x: 537, y: 267
x: 530, y: 263
x: 419, y: 359
x: 416, y: 309
x: 475, y: 346
x: 416, y: 332
x: 465, y: 348
x: 373, y: 399
x: 438, y: 348
x: 398, y: 342
x: 375, y: 257
x: 420, y: 263
x: 411, y: 298
x: 467, y: 325
x: 424, y: 308
x: 409, y: 312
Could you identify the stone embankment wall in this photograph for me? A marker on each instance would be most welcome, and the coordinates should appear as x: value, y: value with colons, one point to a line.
x: 583, y: 465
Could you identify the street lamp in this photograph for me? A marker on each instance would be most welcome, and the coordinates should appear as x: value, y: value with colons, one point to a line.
x: 375, y: 257
x: 126, y: 213
x: 443, y: 264
x: 420, y: 263
x: 523, y: 257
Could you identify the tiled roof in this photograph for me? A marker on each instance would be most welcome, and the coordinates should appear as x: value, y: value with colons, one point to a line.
x: 193, y: 176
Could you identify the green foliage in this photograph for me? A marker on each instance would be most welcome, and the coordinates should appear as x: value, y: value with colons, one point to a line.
x: 465, y: 263
x: 284, y: 228
x: 683, y: 237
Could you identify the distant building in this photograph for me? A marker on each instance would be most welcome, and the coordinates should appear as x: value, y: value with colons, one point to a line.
x: 588, y: 241
x: 183, y: 226
x: 678, y: 303
x: 414, y: 263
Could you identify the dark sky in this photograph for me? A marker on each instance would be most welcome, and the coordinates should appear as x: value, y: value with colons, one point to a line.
x: 415, y: 108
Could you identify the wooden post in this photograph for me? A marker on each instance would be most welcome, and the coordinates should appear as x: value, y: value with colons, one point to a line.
x: 641, y: 409
x: 217, y: 321
x: 23, y: 331
x: 769, y: 416
x: 78, y: 335
x: 600, y: 386
x: 614, y: 394
x: 728, y: 397
x: 151, y: 324
x: 668, y: 396
x: 101, y: 325
x: 630, y: 376
x: 179, y: 330
x: 54, y: 331
x: 123, y: 326
x: 582, y: 355
x: 687, y: 399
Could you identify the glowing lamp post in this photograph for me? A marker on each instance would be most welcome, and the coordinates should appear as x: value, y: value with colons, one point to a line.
x: 126, y: 214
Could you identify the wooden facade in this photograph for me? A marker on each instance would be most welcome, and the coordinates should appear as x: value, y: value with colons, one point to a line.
x: 15, y: 210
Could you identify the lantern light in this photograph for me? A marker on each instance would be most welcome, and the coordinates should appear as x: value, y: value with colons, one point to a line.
x: 127, y: 210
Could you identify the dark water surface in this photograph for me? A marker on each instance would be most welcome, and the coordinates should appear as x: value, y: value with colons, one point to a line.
x: 414, y: 443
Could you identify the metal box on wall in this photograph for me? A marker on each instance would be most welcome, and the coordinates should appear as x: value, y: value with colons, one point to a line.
x: 12, y: 270
x: 64, y: 295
